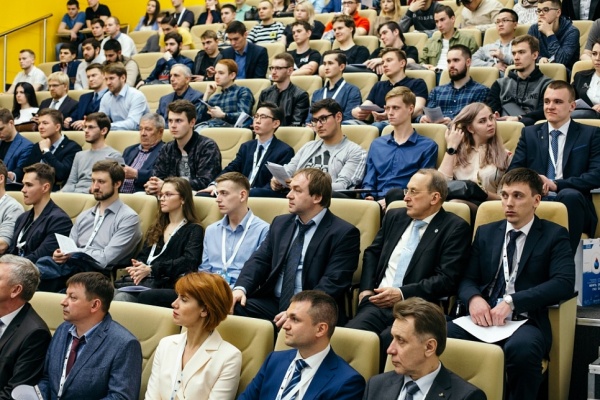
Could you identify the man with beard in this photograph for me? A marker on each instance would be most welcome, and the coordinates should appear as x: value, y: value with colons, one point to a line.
x: 180, y: 77
x: 90, y: 102
x: 520, y: 95
x: 96, y: 127
x: 91, y: 55
x: 172, y: 56
x: 462, y: 89
x: 113, y: 54
x: 105, y: 235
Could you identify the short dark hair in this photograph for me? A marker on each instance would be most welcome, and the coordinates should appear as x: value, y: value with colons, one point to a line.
x: 276, y: 111
x: 208, y: 34
x: 174, y: 35
x: 238, y: 178
x: 3, y: 171
x: 6, y: 116
x: 347, y: 20
x: 532, y: 41
x: 94, y: 66
x: 512, y: 12
x: 323, y: 308
x: 329, y: 104
x: 22, y: 272
x: 393, y: 26
x: 340, y: 56
x: 466, y: 52
x: 73, y: 3
x: 183, y: 106
x: 99, y: 21
x: 428, y: 319
x: 560, y: 84
x: 236, y: 27
x: 68, y: 46
x: 400, y: 54
x: 230, y: 6
x: 116, y: 68
x: 101, y: 119
x: 114, y: 169
x: 524, y: 175
x: 96, y: 285
x: 112, y: 45
x: 45, y: 173
x: 319, y: 183
x: 303, y: 24
x: 95, y: 44
x: 169, y: 19
x: 287, y: 57
x: 441, y: 8
x: 55, y: 115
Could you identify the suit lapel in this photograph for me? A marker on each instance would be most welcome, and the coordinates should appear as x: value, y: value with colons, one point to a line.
x: 497, y: 248
x: 286, y: 240
x: 314, y: 244
x: 572, y: 137
x: 428, y: 239
x: 440, y: 389
x: 323, y: 375
x: 203, y: 355
x: 13, y: 326
x: 534, y: 235
x: 543, y: 134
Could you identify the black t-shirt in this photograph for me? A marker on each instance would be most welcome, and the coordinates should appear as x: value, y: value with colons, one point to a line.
x: 301, y: 60
x: 356, y: 54
x: 316, y: 33
x: 4, y: 148
x: 204, y: 64
x: 188, y: 17
x: 102, y: 11
x: 411, y: 52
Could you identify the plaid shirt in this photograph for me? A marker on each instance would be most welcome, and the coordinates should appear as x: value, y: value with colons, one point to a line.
x: 233, y: 101
x: 453, y: 100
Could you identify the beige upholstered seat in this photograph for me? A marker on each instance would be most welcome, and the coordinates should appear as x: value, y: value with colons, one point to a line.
x: 581, y: 66
x: 272, y: 50
x: 319, y: 45
x: 140, y: 38
x: 584, y: 27
x: 76, y: 94
x: 426, y: 75
x: 551, y: 70
x: 254, y: 338
x: 6, y: 101
x: 256, y: 86
x: 324, y: 17
x: 417, y: 39
x: 73, y: 203
x: 363, y: 135
x: 308, y: 83
x: 285, y: 20
x: 41, y: 96
x: 367, y: 13
x: 145, y: 206
x: 191, y: 54
x: 146, y: 62
x: 358, y: 348
x: 364, y: 81
x: 481, y: 364
x: 46, y: 67
x: 198, y: 30
x: 267, y: 208
x: 459, y: 209
x: 207, y: 210
x: 484, y: 75
x: 229, y: 141
x: 47, y: 305
x: 18, y: 196
x: 250, y: 24
x: 295, y: 136
x: 120, y: 140
x: 153, y: 93
x: 491, y: 34
x: 510, y: 132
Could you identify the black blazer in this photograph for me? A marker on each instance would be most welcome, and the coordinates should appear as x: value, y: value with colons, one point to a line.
x: 40, y: 237
x: 22, y: 351
x: 546, y: 274
x: 572, y: 10
x: 437, y: 263
x: 71, y: 71
x: 278, y: 152
x: 257, y: 60
x: 581, y: 159
x: 329, y: 263
x: 145, y: 172
x: 581, y: 83
x: 67, y: 108
x: 85, y: 106
x: 61, y: 160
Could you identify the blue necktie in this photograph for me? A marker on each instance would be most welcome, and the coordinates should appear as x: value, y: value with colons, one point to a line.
x: 300, y: 365
x: 551, y: 171
x: 407, y: 253
x: 500, y: 284
x: 411, y: 389
x: 291, y: 266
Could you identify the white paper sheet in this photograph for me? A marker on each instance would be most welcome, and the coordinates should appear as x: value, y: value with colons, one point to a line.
x: 488, y: 334
x: 66, y: 244
x: 434, y: 114
x: 278, y: 172
x: 371, y: 107
x: 26, y: 392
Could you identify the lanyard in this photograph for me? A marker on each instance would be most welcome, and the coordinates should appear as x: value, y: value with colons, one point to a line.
x: 63, y: 377
x: 256, y: 164
x: 20, y: 242
x: 98, y: 220
x: 180, y: 17
x: 152, y: 257
x: 508, y: 277
x: 228, y: 262
x: 336, y: 92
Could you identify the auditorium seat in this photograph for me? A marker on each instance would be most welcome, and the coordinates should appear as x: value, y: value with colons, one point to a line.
x: 229, y: 141
x: 46, y: 67
x: 76, y: 94
x: 153, y: 93
x: 140, y: 38
x: 456, y: 208
x: 362, y: 135
x: 145, y: 206
x: 581, y: 66
x: 146, y: 62
x: 42, y: 95
x: 73, y: 203
x: 256, y: 86
x: 363, y: 80
x: 272, y: 50
x: 120, y: 140
x: 6, y: 101
x: 367, y: 13
x: 295, y: 136
x: 427, y: 75
x: 510, y: 132
x: 285, y: 20
x: 484, y: 75
x: 207, y: 210
x: 417, y: 39
x: 584, y: 27
x: 267, y: 208
x: 198, y: 30
x: 319, y: 45
x: 191, y: 54
x: 324, y: 18
x: 435, y: 132
x: 308, y: 83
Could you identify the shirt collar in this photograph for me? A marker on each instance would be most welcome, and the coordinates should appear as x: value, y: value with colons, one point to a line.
x: 563, y: 128
x: 7, y: 319
x: 425, y: 382
x: 337, y: 85
x: 243, y: 53
x: 242, y: 224
x: 525, y: 229
x: 315, y: 360
x: 150, y: 149
x: 412, y: 138
x: 87, y: 335
x: 317, y: 218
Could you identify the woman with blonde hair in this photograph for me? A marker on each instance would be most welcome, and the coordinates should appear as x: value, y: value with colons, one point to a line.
x: 390, y: 11
x: 304, y: 11
x: 197, y: 364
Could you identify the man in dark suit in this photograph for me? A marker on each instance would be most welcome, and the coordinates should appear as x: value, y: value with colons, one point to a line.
x: 180, y: 77
x: 25, y: 336
x: 104, y: 362
x: 420, y: 251
x: 253, y: 156
x: 34, y: 234
x: 573, y: 169
x: 419, y: 339
x: 68, y: 62
x: 58, y: 84
x: 14, y: 148
x: 519, y: 267
x: 284, y: 265
x: 252, y: 60
x: 89, y: 103
x: 312, y: 370
x: 140, y: 158
x: 55, y: 149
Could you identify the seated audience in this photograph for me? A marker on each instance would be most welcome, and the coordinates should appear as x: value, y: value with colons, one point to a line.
x: 480, y: 14
x: 89, y: 103
x: 393, y: 159
x: 581, y: 10
x: 241, y: 9
x: 461, y: 91
x: 390, y: 11
x: 527, y: 12
x: 25, y: 106
x: 230, y: 242
x: 14, y: 148
x: 108, y: 349
x: 30, y: 74
x: 68, y: 63
x: 306, y: 60
x: 58, y: 83
x: 184, y: 17
x: 149, y: 21
x: 168, y: 24
x: 96, y: 11
x: 55, y: 149
x: 97, y: 29
x: 161, y: 72
x: 70, y: 26
x: 311, y: 323
x: 419, y: 324
x: 350, y: 8
x: 268, y: 30
x: 123, y: 104
x: 305, y: 11
x: 113, y: 31
x: 91, y: 55
x: 252, y: 60
x: 522, y: 287
x: 35, y: 230
x: 180, y: 77
x: 586, y: 84
x: 199, y: 360
x: 499, y: 53
x: 225, y: 108
x: 140, y: 158
x: 10, y: 210
x: 113, y: 54
x: 593, y: 36
x: 390, y: 35
x: 204, y: 63
x: 227, y: 17
x: 344, y: 29
x: 100, y: 246
x: 96, y: 127
x: 190, y: 155
x: 420, y: 14
x: 292, y: 99
x: 212, y: 15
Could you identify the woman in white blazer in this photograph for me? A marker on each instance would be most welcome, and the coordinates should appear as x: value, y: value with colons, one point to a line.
x: 197, y: 364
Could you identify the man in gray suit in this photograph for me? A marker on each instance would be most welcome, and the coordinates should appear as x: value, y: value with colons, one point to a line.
x: 419, y: 338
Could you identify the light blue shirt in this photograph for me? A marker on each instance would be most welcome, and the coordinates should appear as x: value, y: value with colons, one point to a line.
x: 308, y: 235
x: 212, y: 260
x: 125, y: 109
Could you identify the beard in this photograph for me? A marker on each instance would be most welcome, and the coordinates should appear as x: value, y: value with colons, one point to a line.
x: 458, y: 75
x: 104, y: 196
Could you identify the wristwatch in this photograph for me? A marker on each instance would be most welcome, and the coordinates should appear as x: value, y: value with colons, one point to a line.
x: 508, y: 300
x: 44, y: 151
x: 451, y: 151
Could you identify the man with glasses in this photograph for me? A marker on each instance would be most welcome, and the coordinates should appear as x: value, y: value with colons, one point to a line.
x: 252, y: 158
x: 350, y: 8
x: 498, y: 54
x: 420, y: 251
x: 293, y: 100
x: 96, y: 127
x: 559, y: 38
x: 58, y: 85
x: 332, y: 153
x: 479, y: 14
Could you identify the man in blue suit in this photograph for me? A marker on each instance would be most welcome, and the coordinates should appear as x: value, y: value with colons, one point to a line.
x: 313, y: 370
x: 14, y: 148
x: 89, y: 103
x: 566, y: 154
x: 91, y: 356
x: 252, y: 60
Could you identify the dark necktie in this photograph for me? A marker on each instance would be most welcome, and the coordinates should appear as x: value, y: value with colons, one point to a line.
x: 261, y: 149
x: 73, y: 353
x: 500, y: 284
x: 551, y: 171
x: 300, y: 365
x: 411, y: 389
x: 291, y: 266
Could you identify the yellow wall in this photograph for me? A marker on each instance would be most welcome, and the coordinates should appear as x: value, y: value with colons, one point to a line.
x: 17, y: 12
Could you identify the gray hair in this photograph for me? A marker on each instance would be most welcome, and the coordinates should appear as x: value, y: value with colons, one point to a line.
x: 438, y: 182
x: 187, y: 72
x: 157, y: 120
x: 22, y: 272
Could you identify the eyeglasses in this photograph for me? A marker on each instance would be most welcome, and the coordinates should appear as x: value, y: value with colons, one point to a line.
x: 347, y: 3
x: 322, y: 119
x: 263, y: 116
x: 504, y: 21
x: 414, y: 192
x: 277, y: 68
x: 544, y: 10
x: 167, y: 195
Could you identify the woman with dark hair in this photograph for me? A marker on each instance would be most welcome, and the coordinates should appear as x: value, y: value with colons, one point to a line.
x: 25, y: 104
x: 149, y: 21
x: 212, y: 15
x: 587, y: 87
x: 197, y: 364
x: 173, y: 244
